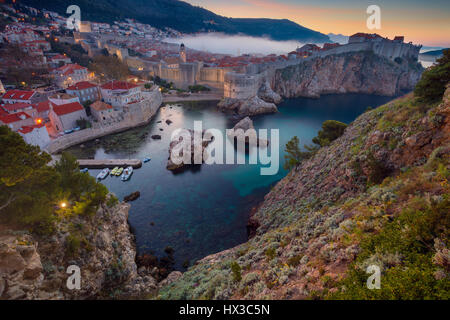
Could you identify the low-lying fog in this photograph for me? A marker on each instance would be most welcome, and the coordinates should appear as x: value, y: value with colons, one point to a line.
x: 236, y: 44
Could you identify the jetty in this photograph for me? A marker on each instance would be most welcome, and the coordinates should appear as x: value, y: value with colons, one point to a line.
x: 108, y: 163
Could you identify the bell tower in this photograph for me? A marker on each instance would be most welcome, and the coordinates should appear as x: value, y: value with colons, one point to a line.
x: 182, y: 53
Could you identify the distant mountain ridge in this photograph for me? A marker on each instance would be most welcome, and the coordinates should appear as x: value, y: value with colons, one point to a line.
x: 338, y: 38
x: 432, y: 56
x: 434, y: 52
x: 181, y: 16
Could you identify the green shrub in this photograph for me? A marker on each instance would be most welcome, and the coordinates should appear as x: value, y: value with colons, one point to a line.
x: 271, y: 253
x: 294, y: 261
x: 294, y: 155
x: 112, y: 201
x: 377, y: 170
x: 236, y: 271
x: 331, y: 130
x: 198, y: 88
x: 73, y: 244
x: 83, y: 123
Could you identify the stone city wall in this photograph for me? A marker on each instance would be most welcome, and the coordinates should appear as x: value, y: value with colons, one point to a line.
x: 135, y: 115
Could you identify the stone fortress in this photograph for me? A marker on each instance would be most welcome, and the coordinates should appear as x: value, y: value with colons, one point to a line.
x: 183, y: 74
x: 242, y: 81
x: 256, y: 78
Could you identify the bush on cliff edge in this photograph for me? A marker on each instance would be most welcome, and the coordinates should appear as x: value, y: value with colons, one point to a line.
x: 31, y: 191
x: 431, y: 86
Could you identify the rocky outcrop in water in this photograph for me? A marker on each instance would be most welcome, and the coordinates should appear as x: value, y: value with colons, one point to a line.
x: 247, y: 107
x: 132, y: 196
x: 195, y: 149
x: 239, y: 132
x: 356, y: 72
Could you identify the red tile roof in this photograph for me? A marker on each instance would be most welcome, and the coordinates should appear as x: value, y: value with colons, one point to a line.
x: 81, y: 85
x: 14, y: 117
x: 67, y: 108
x: 60, y: 57
x: 15, y: 106
x: 42, y: 106
x: 99, y: 106
x: 18, y: 94
x: 28, y: 129
x: 118, y: 85
x: 69, y: 68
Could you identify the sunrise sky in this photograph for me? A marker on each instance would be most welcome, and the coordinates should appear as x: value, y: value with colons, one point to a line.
x: 426, y: 22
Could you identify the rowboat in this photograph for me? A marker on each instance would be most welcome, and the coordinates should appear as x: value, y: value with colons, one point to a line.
x: 103, y: 174
x: 126, y: 175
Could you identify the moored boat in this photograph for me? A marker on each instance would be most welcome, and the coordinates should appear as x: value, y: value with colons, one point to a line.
x: 114, y: 171
x: 146, y: 159
x: 119, y: 171
x: 103, y: 174
x: 126, y: 175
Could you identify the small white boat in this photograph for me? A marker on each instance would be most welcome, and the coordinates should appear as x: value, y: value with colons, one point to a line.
x: 126, y: 175
x: 103, y: 174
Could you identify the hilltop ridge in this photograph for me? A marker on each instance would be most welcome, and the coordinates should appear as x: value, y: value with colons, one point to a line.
x: 183, y: 17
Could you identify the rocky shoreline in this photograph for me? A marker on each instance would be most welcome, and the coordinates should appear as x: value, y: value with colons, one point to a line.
x: 34, y: 267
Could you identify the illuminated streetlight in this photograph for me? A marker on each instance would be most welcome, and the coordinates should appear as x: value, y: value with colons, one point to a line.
x: 63, y: 204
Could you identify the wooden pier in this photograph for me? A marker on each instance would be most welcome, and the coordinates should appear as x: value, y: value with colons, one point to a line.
x: 108, y: 163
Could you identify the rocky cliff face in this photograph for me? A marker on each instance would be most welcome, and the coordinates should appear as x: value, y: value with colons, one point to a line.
x: 312, y: 223
x: 266, y: 93
x: 33, y: 267
x: 356, y: 72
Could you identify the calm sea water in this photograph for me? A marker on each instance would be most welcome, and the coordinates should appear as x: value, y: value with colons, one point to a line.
x: 205, y: 210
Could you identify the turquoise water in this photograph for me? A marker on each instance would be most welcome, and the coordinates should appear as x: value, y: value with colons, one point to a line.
x: 205, y: 209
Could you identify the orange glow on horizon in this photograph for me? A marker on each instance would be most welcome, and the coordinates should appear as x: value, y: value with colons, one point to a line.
x: 425, y: 26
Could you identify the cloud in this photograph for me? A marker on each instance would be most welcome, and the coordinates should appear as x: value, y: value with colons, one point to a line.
x: 236, y: 44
